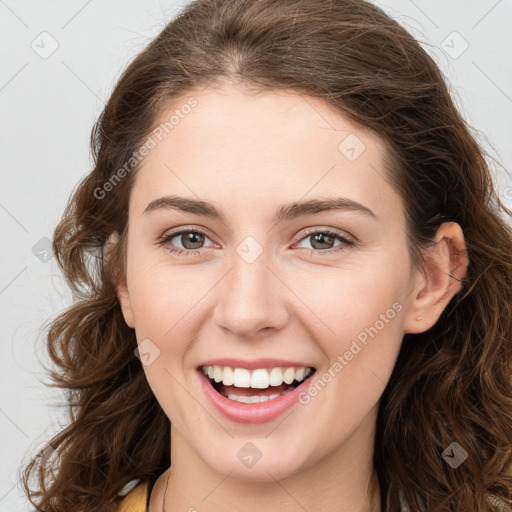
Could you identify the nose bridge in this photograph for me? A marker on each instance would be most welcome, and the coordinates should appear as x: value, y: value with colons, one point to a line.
x: 251, y: 297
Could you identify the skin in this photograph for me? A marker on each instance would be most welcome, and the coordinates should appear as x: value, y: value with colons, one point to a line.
x: 248, y: 154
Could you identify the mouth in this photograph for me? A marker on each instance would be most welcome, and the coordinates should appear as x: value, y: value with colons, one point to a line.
x: 257, y: 385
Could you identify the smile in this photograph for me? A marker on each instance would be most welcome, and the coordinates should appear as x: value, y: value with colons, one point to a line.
x: 256, y: 395
x: 254, y: 386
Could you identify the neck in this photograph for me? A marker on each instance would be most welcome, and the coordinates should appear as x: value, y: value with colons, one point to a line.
x: 340, y: 481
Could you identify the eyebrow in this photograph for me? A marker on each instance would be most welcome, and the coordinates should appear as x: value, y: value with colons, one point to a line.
x: 284, y: 212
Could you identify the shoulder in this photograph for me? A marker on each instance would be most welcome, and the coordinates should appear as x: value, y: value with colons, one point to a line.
x: 135, y: 500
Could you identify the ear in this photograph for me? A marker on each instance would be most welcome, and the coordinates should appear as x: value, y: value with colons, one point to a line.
x: 121, y: 285
x: 431, y: 291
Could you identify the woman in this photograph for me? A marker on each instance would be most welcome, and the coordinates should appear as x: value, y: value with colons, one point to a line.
x: 300, y: 290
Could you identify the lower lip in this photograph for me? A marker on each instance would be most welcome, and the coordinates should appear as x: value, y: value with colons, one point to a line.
x: 260, y: 412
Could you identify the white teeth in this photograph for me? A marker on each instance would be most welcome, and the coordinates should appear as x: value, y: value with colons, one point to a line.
x: 241, y: 378
x: 289, y: 375
x: 217, y: 373
x: 255, y: 399
x: 227, y: 376
x: 276, y: 377
x: 260, y: 378
x: 299, y: 373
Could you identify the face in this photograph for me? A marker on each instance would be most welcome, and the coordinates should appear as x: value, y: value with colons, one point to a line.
x: 327, y: 289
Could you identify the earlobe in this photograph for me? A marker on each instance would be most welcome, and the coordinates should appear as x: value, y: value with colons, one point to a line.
x: 124, y: 300
x: 121, y: 285
x: 446, y: 265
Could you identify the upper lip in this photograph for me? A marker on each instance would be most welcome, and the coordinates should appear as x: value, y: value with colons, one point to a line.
x: 253, y: 364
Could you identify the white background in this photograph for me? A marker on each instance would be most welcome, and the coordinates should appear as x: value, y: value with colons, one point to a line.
x: 47, y: 109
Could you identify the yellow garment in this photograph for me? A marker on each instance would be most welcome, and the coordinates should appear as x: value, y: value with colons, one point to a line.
x: 135, y: 500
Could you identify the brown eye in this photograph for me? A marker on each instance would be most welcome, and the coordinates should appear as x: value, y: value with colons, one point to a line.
x: 321, y: 241
x: 190, y: 239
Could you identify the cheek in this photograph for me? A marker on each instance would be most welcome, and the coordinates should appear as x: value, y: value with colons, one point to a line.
x: 166, y: 304
x: 361, y: 315
x: 347, y: 300
x: 162, y: 296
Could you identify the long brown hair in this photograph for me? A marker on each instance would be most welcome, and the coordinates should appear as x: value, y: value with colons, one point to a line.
x: 451, y: 383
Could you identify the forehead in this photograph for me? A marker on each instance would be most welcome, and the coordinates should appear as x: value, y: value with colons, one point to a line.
x: 272, y: 144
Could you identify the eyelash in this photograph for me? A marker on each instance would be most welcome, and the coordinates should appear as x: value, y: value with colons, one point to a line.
x: 195, y: 252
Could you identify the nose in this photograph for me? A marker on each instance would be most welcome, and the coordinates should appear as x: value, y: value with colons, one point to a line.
x: 251, y: 298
